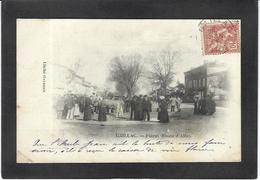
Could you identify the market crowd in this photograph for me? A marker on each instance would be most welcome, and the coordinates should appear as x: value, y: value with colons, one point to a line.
x: 138, y: 107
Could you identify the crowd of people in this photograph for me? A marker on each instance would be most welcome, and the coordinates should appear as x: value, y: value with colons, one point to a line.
x: 84, y: 107
x: 204, y: 105
x: 138, y: 107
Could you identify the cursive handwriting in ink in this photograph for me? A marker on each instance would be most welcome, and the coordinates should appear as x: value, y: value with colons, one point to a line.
x: 37, y: 143
x: 157, y: 142
x: 212, y: 141
x: 65, y: 142
x: 197, y: 148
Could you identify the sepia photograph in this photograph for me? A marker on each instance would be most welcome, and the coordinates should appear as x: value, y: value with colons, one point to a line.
x: 128, y: 90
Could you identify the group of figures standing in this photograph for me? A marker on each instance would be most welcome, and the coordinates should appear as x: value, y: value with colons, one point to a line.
x: 81, y: 107
x: 140, y: 107
x: 204, y: 105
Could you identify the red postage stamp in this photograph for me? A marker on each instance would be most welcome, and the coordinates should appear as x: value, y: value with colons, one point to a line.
x: 221, y: 38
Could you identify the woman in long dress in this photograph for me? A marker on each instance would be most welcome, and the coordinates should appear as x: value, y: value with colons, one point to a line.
x: 163, y: 113
x: 178, y: 103
x: 71, y: 107
x: 102, y: 112
x: 87, y: 109
x: 210, y: 105
x: 76, y: 111
x: 119, y: 109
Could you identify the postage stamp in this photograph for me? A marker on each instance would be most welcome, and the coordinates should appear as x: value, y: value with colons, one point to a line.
x: 221, y: 38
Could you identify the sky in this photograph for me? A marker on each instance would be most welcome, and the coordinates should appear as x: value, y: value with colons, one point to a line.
x: 94, y: 43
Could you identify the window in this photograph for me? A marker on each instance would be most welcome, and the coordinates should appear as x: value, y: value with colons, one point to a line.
x: 204, y: 82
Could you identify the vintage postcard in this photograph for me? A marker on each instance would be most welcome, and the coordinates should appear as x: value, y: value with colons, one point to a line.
x: 128, y: 90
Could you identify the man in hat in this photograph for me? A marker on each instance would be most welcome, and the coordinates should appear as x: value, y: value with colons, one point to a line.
x: 146, y: 108
x: 102, y: 112
x: 196, y: 104
x: 138, y: 115
x: 87, y: 108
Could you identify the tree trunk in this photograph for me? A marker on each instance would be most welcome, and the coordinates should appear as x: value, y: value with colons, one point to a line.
x: 164, y: 90
x: 129, y: 93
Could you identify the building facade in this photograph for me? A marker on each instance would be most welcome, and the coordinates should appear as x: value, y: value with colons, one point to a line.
x: 209, y: 78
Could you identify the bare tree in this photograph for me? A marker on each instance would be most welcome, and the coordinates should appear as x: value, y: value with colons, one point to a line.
x: 125, y: 71
x: 162, y: 73
x: 72, y: 74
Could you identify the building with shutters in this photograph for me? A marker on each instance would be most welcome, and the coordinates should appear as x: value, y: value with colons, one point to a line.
x: 209, y: 78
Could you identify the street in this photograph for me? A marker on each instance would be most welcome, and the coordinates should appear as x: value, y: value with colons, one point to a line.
x: 183, y: 122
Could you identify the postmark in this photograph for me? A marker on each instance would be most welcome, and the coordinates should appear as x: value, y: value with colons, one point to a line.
x: 220, y: 37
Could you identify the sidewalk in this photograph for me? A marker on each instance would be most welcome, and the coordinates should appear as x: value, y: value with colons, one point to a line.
x: 186, y: 114
x: 191, y: 105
